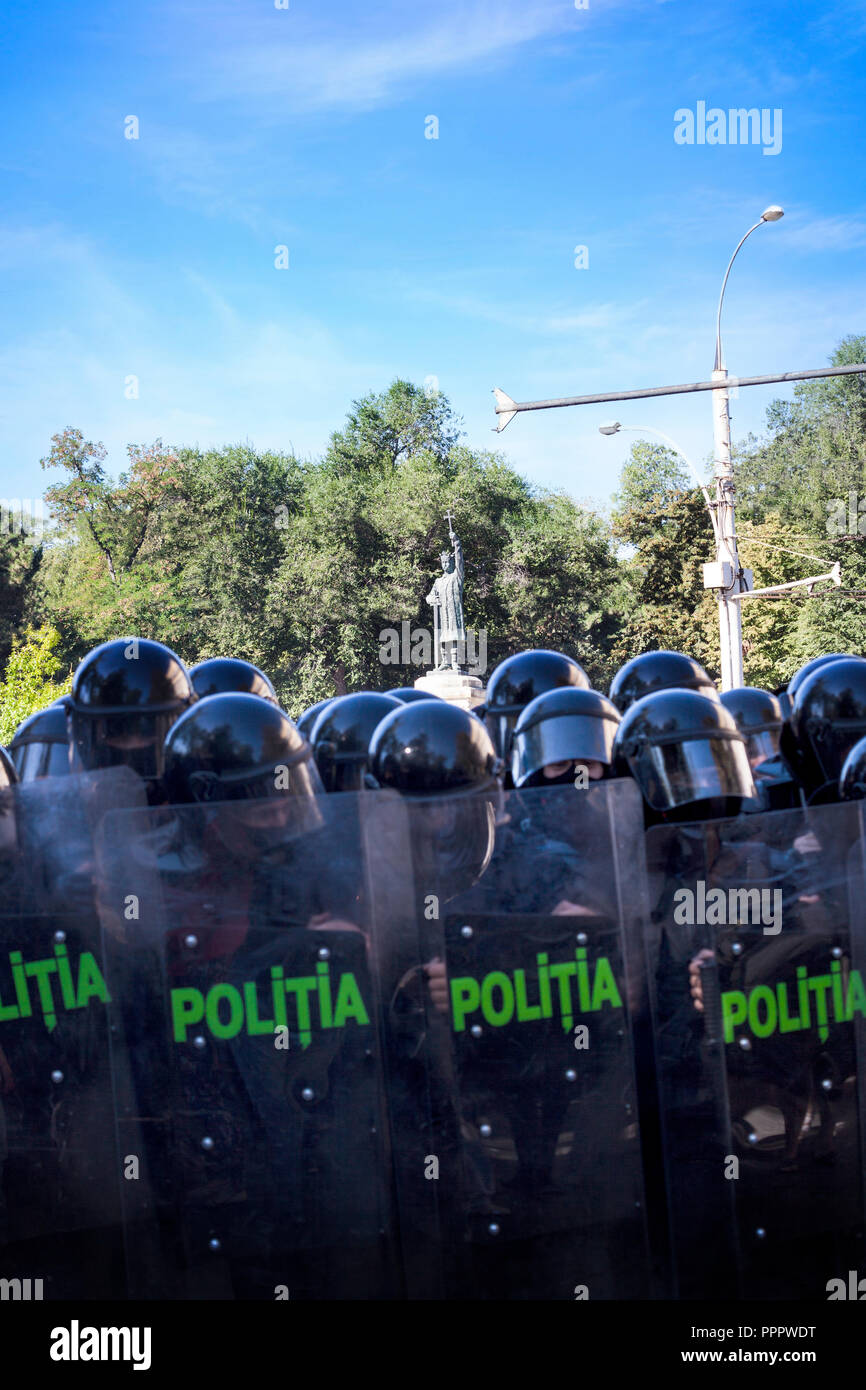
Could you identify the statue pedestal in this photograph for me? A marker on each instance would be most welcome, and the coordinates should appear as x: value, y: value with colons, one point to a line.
x: 464, y: 691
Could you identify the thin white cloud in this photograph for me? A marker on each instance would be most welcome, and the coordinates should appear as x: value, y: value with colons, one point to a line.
x: 819, y: 234
x: 355, y: 67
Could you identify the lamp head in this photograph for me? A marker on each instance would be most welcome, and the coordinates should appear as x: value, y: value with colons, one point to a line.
x: 772, y: 213
x: 612, y: 428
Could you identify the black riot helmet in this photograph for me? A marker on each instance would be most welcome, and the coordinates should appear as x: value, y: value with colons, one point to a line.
x: 407, y: 694
x: 341, y: 737
x: 516, y: 682
x: 240, y: 748
x: 222, y: 675
x: 8, y: 775
x: 828, y: 718
x: 758, y: 716
x: 659, y: 671
x: 814, y: 665
x: 686, y: 754
x: 424, y: 750
x: 563, y: 726
x: 852, y: 783
x: 40, y: 745
x: 305, y: 721
x: 442, y: 760
x: 126, y: 695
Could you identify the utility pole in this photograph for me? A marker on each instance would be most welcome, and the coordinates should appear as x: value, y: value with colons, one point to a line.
x: 725, y: 575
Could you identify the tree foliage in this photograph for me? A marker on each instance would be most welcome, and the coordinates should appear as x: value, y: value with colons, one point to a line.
x: 301, y: 566
x: 30, y: 680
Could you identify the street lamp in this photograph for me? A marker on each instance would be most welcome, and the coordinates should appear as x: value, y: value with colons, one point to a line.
x: 770, y: 214
x: 726, y: 575
x: 614, y: 427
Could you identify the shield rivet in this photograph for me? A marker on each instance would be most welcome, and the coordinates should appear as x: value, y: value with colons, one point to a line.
x: 571, y: 1074
x: 207, y: 1142
x: 214, y: 1243
x: 745, y: 1044
x: 57, y: 1077
x: 760, y: 1233
x: 60, y: 936
x: 190, y: 941
x: 582, y: 938
x: 466, y: 931
x: 323, y: 953
x: 493, y: 1228
x: 485, y: 1130
x: 753, y: 1138
x: 198, y: 1041
x: 307, y: 1093
x: 476, y: 1030
x: 836, y: 951
x: 737, y: 948
x: 827, y: 1084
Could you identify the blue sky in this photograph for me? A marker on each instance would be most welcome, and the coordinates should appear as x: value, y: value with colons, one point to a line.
x: 449, y: 257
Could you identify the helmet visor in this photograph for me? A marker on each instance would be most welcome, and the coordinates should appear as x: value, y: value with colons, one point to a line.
x: 673, y: 774
x: 762, y: 745
x: 266, y: 822
x: 36, y: 760
x: 341, y: 774
x: 570, y: 738
x: 270, y: 805
x: 122, y: 740
x: 832, y: 743
x: 453, y: 836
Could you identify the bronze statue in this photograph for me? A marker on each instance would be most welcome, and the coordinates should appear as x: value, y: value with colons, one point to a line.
x: 446, y: 596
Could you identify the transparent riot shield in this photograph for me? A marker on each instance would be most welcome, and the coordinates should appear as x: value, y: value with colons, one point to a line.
x: 59, y: 1176
x: 509, y: 982
x: 249, y: 1088
x: 755, y: 959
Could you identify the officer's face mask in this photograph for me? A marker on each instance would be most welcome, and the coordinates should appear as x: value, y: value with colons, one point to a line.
x: 567, y: 774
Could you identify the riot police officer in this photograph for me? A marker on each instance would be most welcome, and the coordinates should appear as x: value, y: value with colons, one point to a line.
x: 40, y: 744
x: 662, y: 670
x: 227, y: 748
x: 515, y: 682
x: 828, y: 718
x: 126, y: 694
x: 221, y: 675
x: 341, y: 737
x: 759, y: 718
x: 805, y: 671
x: 561, y: 732
x: 506, y: 895
x: 686, y: 754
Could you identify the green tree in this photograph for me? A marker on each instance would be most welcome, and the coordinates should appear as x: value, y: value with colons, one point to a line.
x: 666, y: 525
x: 362, y: 550
x: 814, y: 454
x: 29, y: 682
x: 20, y: 560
